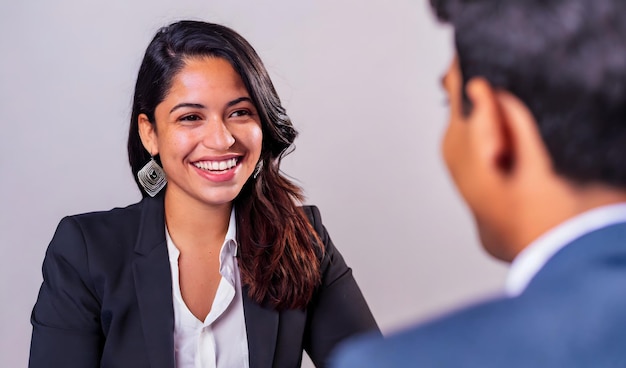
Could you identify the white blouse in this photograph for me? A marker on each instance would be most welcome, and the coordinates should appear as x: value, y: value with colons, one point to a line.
x: 220, y: 340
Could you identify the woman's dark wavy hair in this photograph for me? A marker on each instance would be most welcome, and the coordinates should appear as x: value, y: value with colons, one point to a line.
x: 278, y: 248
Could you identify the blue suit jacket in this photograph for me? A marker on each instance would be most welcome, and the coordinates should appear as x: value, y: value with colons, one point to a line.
x: 106, y: 299
x: 572, y: 314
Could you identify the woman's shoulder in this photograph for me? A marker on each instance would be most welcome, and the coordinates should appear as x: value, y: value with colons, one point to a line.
x: 313, y: 215
x: 101, y: 234
x: 114, y: 223
x: 115, y: 215
x: 315, y: 219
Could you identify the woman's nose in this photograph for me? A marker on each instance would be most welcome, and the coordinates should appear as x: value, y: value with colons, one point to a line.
x: 217, y: 136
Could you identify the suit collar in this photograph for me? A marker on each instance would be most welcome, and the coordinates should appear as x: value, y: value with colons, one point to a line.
x: 534, y: 256
x: 151, y: 226
x: 262, y: 330
x: 153, y: 284
x: 597, y: 249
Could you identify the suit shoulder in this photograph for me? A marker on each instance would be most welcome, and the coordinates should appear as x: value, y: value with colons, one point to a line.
x: 426, y: 344
x: 116, y: 212
x: 505, y: 332
x: 315, y: 219
x: 116, y: 217
x: 96, y: 229
x: 313, y: 214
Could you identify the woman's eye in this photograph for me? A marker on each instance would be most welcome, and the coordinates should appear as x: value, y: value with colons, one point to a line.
x: 240, y: 113
x: 191, y: 117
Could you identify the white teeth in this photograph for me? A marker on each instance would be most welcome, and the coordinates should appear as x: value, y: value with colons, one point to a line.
x: 216, y: 165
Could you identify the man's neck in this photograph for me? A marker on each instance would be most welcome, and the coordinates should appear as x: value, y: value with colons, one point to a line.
x: 541, y: 213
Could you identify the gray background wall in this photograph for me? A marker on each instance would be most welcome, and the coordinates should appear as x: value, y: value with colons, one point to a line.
x: 359, y: 79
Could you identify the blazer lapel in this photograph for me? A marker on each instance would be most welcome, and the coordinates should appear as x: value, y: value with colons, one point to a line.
x: 153, y: 284
x: 262, y: 331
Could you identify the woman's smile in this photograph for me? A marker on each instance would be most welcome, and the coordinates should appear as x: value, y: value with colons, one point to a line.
x: 218, y: 170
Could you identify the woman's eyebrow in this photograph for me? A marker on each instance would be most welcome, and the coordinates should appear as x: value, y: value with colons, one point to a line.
x: 187, y: 104
x: 238, y: 100
x: 201, y: 106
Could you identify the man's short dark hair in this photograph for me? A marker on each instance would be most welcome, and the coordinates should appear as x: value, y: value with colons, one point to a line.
x: 566, y: 60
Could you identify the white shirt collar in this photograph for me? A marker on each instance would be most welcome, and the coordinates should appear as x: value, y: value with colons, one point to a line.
x: 530, y: 260
x: 230, y: 241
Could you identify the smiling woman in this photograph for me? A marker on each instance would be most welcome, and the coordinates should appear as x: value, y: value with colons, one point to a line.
x: 207, y: 134
x: 218, y: 265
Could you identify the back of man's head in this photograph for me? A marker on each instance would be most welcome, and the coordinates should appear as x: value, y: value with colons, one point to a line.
x: 566, y: 60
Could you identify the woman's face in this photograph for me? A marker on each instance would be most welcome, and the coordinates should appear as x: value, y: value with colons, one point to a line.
x: 208, y: 133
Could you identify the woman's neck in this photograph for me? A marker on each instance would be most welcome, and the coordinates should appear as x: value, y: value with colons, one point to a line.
x: 194, y: 225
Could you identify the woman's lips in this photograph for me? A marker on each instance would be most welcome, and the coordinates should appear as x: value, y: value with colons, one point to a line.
x: 218, y: 170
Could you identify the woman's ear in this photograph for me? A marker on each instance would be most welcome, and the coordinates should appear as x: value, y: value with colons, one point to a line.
x: 147, y: 133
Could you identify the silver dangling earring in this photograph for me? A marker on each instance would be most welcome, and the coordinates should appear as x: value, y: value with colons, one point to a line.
x: 152, y: 177
x: 257, y: 169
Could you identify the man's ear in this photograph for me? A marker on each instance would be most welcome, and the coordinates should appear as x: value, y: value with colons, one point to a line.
x: 147, y: 133
x: 527, y: 148
x: 491, y: 134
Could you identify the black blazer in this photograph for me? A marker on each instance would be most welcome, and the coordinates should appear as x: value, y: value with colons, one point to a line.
x: 106, y: 299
